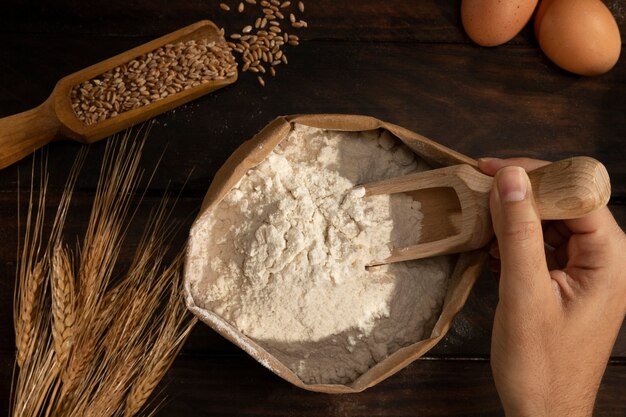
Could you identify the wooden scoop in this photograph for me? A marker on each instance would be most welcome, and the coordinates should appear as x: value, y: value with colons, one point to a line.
x: 25, y: 132
x: 455, y: 202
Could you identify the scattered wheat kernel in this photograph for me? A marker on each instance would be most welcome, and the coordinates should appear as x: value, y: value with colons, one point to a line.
x: 292, y: 17
x: 224, y: 7
x: 247, y: 29
x: 251, y: 1
x: 273, y: 71
x: 301, y: 7
x: 285, y: 4
x: 261, y: 81
x: 240, y: 8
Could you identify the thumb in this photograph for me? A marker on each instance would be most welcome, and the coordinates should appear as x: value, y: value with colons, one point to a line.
x: 524, y: 272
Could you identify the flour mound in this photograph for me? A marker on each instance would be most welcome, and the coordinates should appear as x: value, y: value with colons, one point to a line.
x: 286, y: 251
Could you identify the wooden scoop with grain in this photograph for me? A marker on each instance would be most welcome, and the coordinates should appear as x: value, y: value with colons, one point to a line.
x: 23, y: 133
x: 455, y: 202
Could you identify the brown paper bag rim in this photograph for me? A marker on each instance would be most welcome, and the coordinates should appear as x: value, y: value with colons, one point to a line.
x: 253, y: 152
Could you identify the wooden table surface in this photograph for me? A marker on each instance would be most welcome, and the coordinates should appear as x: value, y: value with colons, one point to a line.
x: 406, y: 62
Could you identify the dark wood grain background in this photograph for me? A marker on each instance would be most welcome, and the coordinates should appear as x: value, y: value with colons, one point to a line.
x: 405, y: 62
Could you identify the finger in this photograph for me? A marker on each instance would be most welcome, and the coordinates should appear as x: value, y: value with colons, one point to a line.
x: 600, y: 220
x: 524, y: 273
x: 490, y: 166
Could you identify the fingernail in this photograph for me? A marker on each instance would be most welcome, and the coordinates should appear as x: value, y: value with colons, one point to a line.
x: 512, y: 184
x: 487, y: 159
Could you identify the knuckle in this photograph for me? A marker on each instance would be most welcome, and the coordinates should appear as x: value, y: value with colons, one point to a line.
x: 520, y: 231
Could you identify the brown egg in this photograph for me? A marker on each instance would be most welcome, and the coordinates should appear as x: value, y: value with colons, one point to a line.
x: 494, y: 22
x: 580, y: 36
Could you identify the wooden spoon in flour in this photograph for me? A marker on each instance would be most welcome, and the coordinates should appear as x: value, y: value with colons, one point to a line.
x: 455, y: 202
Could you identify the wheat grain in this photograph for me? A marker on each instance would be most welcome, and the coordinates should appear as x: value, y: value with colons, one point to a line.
x: 268, y: 39
x: 151, y: 77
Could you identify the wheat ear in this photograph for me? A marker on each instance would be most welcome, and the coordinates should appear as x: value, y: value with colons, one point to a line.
x: 31, y: 273
x: 110, y: 216
x: 31, y: 312
x: 25, y: 325
x: 63, y: 303
x: 172, y: 334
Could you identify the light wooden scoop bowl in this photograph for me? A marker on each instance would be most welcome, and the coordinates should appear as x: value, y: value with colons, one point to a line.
x: 455, y: 202
x: 23, y: 133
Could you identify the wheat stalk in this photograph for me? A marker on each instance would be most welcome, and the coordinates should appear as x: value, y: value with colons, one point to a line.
x: 35, y: 382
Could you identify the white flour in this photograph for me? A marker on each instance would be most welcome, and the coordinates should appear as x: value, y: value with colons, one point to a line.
x: 286, y: 251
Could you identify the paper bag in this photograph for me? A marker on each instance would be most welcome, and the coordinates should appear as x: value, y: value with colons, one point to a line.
x: 251, y: 153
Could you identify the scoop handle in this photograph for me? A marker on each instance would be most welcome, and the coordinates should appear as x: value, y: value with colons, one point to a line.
x: 23, y: 133
x: 570, y: 188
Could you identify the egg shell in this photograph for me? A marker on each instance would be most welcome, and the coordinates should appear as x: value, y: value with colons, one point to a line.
x: 580, y: 36
x: 494, y: 22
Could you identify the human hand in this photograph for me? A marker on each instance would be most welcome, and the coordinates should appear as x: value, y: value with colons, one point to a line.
x: 560, y: 305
